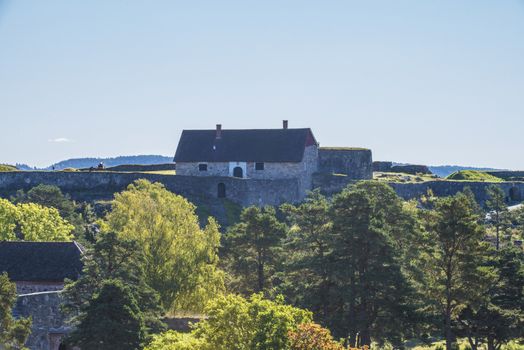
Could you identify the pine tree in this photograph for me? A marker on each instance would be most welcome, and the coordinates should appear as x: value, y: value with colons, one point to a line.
x: 253, y: 248
x: 498, y: 210
x: 372, y: 292
x: 451, y: 259
x: 111, y: 321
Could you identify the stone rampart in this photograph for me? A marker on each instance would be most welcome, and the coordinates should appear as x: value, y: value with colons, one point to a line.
x: 353, y: 162
x: 102, y: 185
x: 332, y: 184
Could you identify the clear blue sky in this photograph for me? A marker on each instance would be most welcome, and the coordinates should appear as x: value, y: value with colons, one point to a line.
x: 421, y: 81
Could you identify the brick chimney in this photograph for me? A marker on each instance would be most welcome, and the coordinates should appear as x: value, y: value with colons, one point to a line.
x: 219, y: 131
x: 284, y: 124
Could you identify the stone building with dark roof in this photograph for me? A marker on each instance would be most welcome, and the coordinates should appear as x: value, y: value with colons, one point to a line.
x: 249, y: 154
x: 39, y: 269
x: 40, y: 266
x: 266, y: 154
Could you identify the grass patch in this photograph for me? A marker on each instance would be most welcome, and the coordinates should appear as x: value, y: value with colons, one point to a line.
x: 403, y: 177
x: 473, y: 175
x: 160, y: 172
x: 7, y: 168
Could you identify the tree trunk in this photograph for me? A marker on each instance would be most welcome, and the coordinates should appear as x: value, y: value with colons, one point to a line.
x: 260, y: 277
x: 491, y: 343
x: 365, y: 338
x: 449, y: 334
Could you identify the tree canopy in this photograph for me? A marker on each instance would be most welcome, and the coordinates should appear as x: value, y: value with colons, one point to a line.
x: 180, y: 258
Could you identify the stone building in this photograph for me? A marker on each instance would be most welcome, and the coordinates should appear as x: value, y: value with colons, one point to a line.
x: 267, y: 154
x: 39, y: 270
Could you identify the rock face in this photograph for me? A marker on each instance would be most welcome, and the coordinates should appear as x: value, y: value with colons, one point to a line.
x: 49, y: 324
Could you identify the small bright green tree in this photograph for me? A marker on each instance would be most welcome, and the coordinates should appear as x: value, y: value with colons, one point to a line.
x: 241, y: 324
x: 32, y: 222
x: 111, y: 321
x: 38, y: 223
x: 180, y: 258
x: 13, y: 333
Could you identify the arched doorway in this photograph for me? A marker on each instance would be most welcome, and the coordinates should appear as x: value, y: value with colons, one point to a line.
x: 221, y: 190
x: 238, y: 172
x: 514, y: 194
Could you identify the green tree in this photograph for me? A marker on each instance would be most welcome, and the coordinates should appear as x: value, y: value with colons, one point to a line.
x: 373, y: 294
x: 180, y: 258
x: 111, y: 321
x: 498, y: 210
x: 241, y: 324
x: 307, y: 281
x: 8, y: 220
x: 114, y: 258
x: 52, y: 197
x: 13, y: 333
x: 500, y: 317
x: 452, y: 259
x: 38, y: 223
x: 32, y: 222
x: 253, y: 248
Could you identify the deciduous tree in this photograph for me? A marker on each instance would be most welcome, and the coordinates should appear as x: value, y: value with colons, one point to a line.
x: 180, y: 258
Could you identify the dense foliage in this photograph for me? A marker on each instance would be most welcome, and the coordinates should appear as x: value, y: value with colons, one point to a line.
x: 180, y: 258
x: 111, y: 321
x: 32, y: 222
x: 13, y: 333
x: 237, y: 323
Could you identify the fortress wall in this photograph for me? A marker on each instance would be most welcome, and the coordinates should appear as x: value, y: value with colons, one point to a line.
x: 332, y: 184
x: 356, y: 163
x: 102, y: 185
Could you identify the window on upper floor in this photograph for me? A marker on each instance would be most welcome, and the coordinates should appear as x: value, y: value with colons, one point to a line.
x: 202, y: 167
x: 259, y: 166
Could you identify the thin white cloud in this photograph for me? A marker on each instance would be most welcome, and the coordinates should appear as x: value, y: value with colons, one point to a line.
x: 60, y: 140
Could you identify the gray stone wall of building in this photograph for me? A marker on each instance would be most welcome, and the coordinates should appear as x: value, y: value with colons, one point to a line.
x: 303, y: 171
x: 49, y: 324
x: 355, y: 163
x: 27, y: 287
x: 89, y: 186
x: 213, y: 169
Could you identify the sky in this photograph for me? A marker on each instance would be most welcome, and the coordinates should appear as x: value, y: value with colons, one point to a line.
x: 417, y: 81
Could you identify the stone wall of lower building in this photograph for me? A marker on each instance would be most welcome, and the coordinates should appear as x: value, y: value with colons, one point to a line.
x: 27, y: 287
x: 49, y: 324
x: 355, y: 163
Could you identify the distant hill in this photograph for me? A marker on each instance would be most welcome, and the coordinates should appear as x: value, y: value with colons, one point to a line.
x: 80, y: 163
x: 446, y: 170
